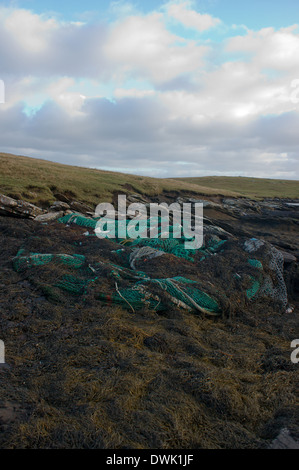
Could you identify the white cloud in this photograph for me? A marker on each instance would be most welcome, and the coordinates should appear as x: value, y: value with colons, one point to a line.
x: 141, y: 45
x: 180, y: 107
x: 191, y: 19
x: 34, y: 29
x: 71, y: 102
x: 270, y: 48
x: 31, y: 44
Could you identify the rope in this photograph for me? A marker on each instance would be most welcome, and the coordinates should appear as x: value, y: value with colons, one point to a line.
x: 198, y: 307
x: 117, y: 290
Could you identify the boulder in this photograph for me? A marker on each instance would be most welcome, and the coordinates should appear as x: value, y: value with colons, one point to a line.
x: 8, y: 201
x: 49, y: 217
x: 18, y: 208
x: 59, y: 206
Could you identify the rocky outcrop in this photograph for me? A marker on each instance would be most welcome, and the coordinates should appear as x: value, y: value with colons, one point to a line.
x: 18, y: 208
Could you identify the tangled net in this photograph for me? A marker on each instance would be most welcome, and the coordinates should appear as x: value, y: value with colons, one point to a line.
x: 134, y: 289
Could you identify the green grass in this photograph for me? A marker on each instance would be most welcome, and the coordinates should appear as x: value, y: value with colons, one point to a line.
x: 37, y: 181
x: 249, y: 187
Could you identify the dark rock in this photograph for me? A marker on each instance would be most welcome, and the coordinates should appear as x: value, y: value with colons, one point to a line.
x: 133, y: 198
x: 80, y: 207
x: 60, y: 206
x: 62, y: 197
x: 287, y: 257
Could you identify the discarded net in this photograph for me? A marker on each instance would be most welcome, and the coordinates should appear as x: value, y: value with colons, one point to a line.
x: 259, y: 268
x: 157, y: 294
x: 37, y: 259
x: 272, y: 284
x: 171, y: 245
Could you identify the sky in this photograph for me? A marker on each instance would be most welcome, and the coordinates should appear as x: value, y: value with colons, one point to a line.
x: 162, y: 89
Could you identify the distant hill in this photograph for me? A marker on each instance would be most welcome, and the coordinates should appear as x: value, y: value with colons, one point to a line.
x: 38, y: 181
x: 42, y: 182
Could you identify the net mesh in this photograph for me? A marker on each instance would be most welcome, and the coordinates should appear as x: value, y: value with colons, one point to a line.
x: 272, y: 284
x: 124, y: 284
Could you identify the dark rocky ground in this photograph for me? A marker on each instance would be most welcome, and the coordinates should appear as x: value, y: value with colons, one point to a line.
x: 83, y: 374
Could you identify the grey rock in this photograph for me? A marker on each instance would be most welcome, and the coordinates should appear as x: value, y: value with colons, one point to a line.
x: 215, y: 230
x: 284, y: 441
x: 48, y: 217
x: 18, y: 208
x: 206, y: 204
x: 8, y: 201
x: 60, y: 206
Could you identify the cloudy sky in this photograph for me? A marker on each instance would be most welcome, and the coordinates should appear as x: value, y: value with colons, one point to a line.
x: 177, y: 88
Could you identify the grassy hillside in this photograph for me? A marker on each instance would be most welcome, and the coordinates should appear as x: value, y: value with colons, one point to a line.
x: 38, y: 181
x: 249, y: 187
